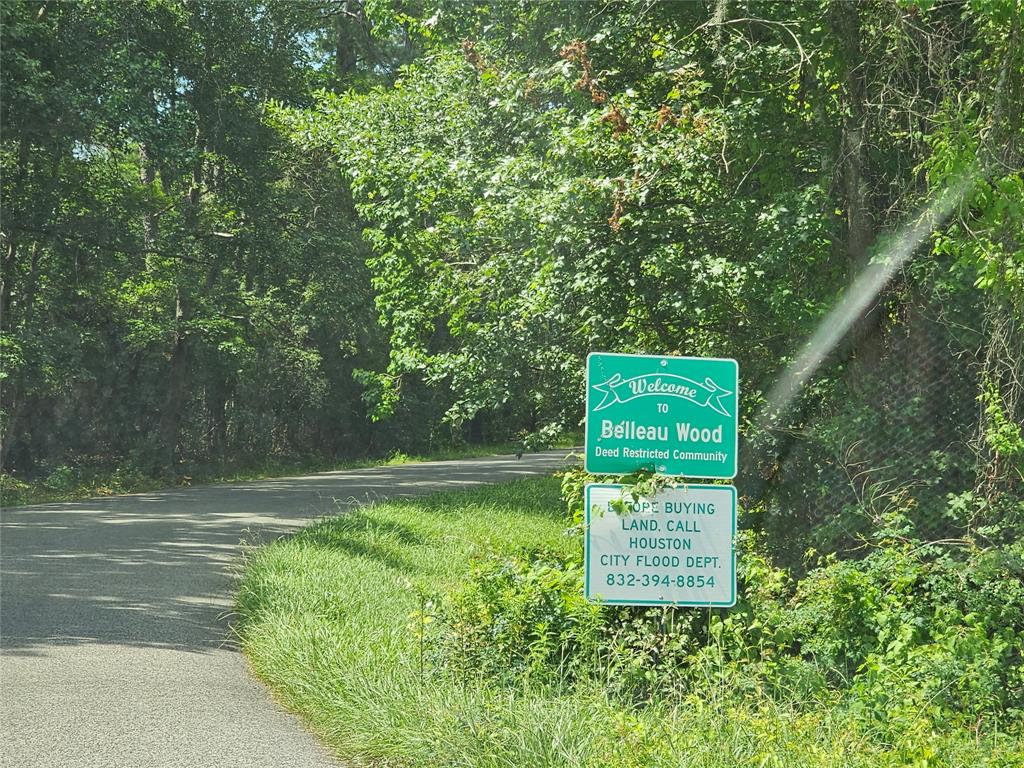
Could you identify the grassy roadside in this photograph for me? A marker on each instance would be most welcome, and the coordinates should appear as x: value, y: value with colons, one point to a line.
x: 73, y: 483
x: 328, y: 619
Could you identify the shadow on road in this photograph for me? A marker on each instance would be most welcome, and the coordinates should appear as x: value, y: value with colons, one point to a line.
x: 156, y: 570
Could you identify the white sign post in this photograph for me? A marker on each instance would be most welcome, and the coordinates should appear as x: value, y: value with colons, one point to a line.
x: 675, y: 548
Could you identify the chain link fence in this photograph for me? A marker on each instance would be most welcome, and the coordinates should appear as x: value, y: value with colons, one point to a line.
x: 895, y: 438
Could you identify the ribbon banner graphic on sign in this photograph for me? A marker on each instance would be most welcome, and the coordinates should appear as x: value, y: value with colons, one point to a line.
x: 619, y: 390
x: 662, y: 413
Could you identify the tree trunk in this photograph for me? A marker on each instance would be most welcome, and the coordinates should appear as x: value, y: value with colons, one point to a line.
x: 859, y: 223
x: 476, y: 429
x: 174, y: 401
x: 345, y: 49
x: 146, y: 176
x: 9, y: 260
x: 854, y: 167
x: 217, y: 402
x: 7, y: 280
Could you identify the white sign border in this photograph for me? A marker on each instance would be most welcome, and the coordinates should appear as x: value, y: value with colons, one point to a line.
x: 736, y: 436
x: 587, y: 548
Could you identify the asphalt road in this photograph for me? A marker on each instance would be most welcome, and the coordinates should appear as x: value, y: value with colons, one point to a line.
x: 115, y: 643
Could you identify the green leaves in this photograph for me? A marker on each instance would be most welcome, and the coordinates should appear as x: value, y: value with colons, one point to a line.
x: 521, y: 213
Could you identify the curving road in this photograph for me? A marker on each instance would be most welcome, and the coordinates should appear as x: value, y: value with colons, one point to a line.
x: 115, y: 649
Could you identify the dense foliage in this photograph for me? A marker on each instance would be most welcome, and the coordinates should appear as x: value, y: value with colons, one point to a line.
x: 179, y: 282
x: 241, y: 230
x: 182, y: 285
x: 327, y: 226
x: 911, y: 638
x: 678, y: 178
x: 341, y: 621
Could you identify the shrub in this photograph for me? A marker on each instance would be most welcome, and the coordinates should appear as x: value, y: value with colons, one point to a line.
x: 912, y: 635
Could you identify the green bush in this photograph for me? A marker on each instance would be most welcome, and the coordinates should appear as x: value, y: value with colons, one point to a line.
x: 525, y: 617
x: 519, y: 617
x: 61, y: 478
x: 910, y: 636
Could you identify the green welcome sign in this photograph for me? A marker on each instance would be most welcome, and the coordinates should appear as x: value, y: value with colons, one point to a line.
x: 672, y: 415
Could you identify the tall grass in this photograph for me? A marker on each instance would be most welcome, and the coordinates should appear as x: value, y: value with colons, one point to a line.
x: 329, y: 619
